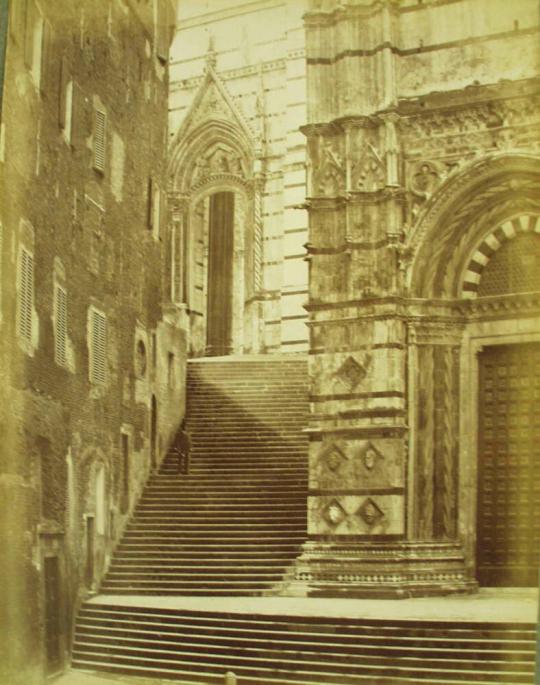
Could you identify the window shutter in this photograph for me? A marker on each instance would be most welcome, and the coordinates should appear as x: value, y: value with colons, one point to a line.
x: 150, y: 218
x: 26, y: 294
x: 156, y: 221
x: 98, y: 348
x: 48, y: 61
x: 100, y: 139
x: 62, y: 84
x: 60, y: 346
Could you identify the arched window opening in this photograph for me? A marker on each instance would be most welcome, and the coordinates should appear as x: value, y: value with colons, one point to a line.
x: 514, y: 268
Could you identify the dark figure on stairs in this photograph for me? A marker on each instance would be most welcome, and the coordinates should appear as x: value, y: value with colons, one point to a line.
x: 183, y: 448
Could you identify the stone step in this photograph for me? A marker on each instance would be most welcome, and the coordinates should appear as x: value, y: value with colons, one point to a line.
x: 305, y: 652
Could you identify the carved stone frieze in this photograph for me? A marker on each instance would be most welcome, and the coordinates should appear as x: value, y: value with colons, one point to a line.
x: 218, y: 159
x: 496, y: 125
x: 437, y: 333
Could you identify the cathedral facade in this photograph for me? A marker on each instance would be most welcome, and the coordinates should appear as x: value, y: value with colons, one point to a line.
x: 421, y: 187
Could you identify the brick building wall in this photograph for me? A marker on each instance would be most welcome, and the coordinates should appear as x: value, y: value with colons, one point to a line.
x: 85, y: 341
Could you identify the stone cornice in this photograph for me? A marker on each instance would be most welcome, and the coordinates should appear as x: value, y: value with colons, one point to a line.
x: 415, y: 310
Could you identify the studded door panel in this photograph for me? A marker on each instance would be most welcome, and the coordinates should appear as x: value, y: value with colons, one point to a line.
x: 508, y: 534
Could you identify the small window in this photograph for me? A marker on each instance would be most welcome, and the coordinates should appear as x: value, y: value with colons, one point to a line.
x: 98, y: 347
x: 26, y: 294
x: 100, y: 139
x: 140, y: 359
x: 60, y: 325
x: 170, y: 370
x: 154, y: 351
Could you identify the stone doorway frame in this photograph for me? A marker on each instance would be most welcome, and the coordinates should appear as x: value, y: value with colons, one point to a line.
x: 476, y: 337
x: 241, y: 264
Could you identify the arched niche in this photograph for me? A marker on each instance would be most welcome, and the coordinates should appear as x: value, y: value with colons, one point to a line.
x: 212, y: 175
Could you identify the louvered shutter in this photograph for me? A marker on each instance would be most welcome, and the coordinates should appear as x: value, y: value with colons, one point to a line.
x: 26, y: 294
x: 150, y: 206
x: 98, y: 348
x: 49, y: 62
x: 60, y: 339
x: 100, y: 139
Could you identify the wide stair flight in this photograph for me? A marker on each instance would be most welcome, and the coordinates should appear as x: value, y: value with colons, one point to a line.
x: 233, y: 527
x: 235, y: 523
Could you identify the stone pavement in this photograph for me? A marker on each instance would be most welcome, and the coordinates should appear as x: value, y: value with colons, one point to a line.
x: 489, y: 604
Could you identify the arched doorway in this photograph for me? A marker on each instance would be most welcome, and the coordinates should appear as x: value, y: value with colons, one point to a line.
x: 506, y: 263
x: 475, y: 460
x: 219, y: 277
x: 216, y: 225
x: 217, y: 271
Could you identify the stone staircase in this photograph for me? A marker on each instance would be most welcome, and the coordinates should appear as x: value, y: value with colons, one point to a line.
x: 235, y: 523
x: 201, y: 646
x: 233, y: 527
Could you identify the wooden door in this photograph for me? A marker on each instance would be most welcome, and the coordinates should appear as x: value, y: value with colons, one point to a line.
x: 508, y: 534
x: 52, y: 615
x: 220, y: 274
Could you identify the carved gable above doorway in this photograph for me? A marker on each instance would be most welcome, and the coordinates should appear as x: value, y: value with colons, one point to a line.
x: 214, y: 141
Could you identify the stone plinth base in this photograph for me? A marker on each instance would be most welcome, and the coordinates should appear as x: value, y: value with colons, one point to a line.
x: 356, y: 568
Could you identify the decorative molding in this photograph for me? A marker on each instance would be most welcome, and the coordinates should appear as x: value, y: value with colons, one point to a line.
x: 458, y: 209
x: 485, y: 250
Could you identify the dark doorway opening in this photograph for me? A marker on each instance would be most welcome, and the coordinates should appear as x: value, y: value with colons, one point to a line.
x: 90, y: 540
x: 153, y: 433
x: 220, y: 274
x: 125, y: 473
x: 52, y: 616
x: 508, y: 533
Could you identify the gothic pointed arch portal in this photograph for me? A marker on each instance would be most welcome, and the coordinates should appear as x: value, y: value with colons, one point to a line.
x: 473, y: 275
x: 215, y: 229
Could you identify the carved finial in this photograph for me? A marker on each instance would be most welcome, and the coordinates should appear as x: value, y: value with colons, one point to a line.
x: 211, y: 57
